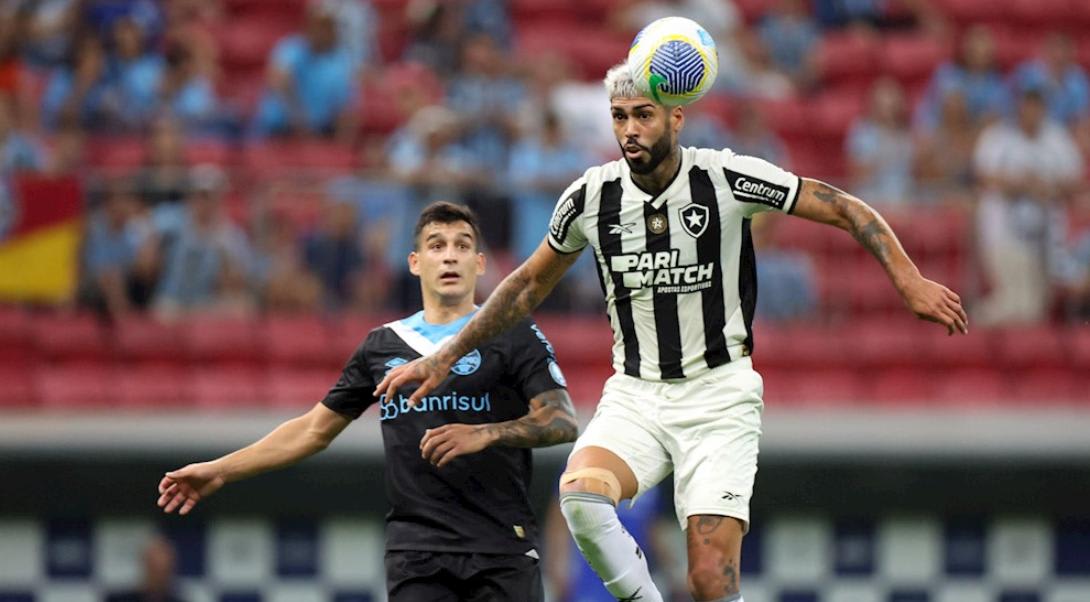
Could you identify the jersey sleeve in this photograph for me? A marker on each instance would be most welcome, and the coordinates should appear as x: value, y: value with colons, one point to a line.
x: 533, y: 362
x: 566, y: 233
x: 352, y: 394
x: 760, y: 185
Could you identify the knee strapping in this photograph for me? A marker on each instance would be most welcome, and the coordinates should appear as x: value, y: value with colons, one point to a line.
x: 605, y: 477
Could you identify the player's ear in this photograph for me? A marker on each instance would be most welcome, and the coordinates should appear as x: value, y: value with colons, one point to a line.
x: 414, y: 263
x: 677, y: 118
x: 480, y: 263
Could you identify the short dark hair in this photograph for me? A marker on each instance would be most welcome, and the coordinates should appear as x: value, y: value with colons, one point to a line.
x: 444, y: 212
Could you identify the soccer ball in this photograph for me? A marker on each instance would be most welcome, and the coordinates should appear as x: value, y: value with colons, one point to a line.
x: 673, y: 61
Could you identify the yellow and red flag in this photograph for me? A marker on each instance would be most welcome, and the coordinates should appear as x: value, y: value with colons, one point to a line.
x: 41, y: 224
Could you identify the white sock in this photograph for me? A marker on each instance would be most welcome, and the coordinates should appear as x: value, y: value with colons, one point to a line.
x: 608, y: 548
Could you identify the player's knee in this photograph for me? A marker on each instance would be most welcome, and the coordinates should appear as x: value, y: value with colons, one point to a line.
x: 597, y: 481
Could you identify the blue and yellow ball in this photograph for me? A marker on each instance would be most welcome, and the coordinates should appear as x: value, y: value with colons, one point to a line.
x: 673, y: 61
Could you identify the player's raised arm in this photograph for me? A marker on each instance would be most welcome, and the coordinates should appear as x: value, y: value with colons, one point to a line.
x: 929, y: 300
x: 519, y: 293
x: 551, y: 421
x: 289, y: 443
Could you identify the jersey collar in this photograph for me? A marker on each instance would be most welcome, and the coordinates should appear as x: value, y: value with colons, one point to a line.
x: 633, y: 191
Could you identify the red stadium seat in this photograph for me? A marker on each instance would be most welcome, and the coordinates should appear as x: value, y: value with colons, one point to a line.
x: 16, y: 347
x: 298, y: 342
x: 1049, y: 386
x: 813, y: 387
x: 209, y: 151
x: 899, y: 344
x: 71, y: 337
x: 912, y: 57
x: 116, y: 153
x: 1049, y: 14
x: 578, y: 341
x: 74, y: 386
x: 902, y: 386
x: 975, y: 350
x: 149, y: 386
x: 351, y: 330
x: 143, y: 339
x: 227, y: 389
x: 834, y: 112
x: 971, y: 386
x: 585, y: 383
x: 300, y: 388
x: 848, y: 55
x: 974, y: 11
x: 1079, y: 349
x: 17, y: 390
x: 246, y: 43
x: 1032, y: 347
x: 217, y: 340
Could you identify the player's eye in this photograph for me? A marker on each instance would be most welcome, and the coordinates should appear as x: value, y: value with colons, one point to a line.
x: 645, y: 115
x: 618, y: 117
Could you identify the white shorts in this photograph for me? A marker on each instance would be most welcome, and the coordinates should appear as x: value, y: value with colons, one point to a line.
x: 705, y: 430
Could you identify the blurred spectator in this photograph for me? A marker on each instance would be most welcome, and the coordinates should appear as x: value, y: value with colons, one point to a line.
x: 11, y: 64
x: 312, y: 83
x: 158, y: 580
x: 975, y: 74
x: 49, y: 30
x: 164, y: 177
x: 791, y: 36
x: 66, y: 152
x: 18, y: 151
x: 837, y: 13
x: 116, y: 232
x: 186, y: 92
x: 489, y: 18
x: 79, y: 92
x: 788, y: 289
x: 135, y: 71
x: 280, y: 269
x: 944, y: 155
x: 1027, y: 168
x: 752, y: 136
x: 487, y: 98
x: 880, y: 147
x: 1078, y: 281
x: 759, y: 77
x: 437, y: 30
x: 333, y: 252
x: 426, y: 155
x: 102, y: 16
x: 1063, y: 80
x: 357, y: 31
x: 196, y: 251
x: 542, y: 166
x: 703, y: 129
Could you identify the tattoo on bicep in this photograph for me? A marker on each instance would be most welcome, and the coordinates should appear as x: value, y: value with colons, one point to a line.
x: 730, y: 572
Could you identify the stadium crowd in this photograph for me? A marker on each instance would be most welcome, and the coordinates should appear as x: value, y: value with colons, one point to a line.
x: 240, y: 156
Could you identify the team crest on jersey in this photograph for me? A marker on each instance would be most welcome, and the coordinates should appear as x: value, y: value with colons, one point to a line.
x: 694, y: 219
x: 657, y: 223
x: 468, y: 363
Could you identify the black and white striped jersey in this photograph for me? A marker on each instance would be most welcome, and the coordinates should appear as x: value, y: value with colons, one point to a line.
x: 677, y: 269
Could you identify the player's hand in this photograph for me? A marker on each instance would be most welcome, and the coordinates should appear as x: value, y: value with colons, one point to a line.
x: 429, y: 371
x: 441, y: 445
x: 188, y: 485
x: 932, y: 301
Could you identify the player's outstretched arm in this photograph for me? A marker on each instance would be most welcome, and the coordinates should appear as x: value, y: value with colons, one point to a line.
x: 929, y: 300
x: 551, y: 420
x: 287, y: 444
x: 519, y: 293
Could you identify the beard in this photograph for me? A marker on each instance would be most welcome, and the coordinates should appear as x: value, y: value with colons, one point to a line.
x: 658, y: 152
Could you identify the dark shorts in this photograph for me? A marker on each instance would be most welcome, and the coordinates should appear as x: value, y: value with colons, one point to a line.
x: 413, y: 576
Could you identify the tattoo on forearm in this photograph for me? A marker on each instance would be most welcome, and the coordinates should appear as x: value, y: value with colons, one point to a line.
x: 552, y: 422
x: 864, y: 224
x: 730, y: 574
x: 512, y: 300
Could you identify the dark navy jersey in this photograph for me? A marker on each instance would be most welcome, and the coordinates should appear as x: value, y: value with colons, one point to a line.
x: 477, y: 502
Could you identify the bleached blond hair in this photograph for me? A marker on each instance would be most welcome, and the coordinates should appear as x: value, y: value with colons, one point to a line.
x: 619, y: 83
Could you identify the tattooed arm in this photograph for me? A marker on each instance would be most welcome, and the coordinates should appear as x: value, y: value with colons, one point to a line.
x: 551, y: 420
x: 929, y: 300
x: 513, y: 300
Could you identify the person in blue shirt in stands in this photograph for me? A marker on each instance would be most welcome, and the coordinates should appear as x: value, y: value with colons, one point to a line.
x: 1060, y: 77
x: 312, y: 81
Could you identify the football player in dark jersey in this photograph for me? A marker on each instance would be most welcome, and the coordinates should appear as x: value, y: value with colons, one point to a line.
x: 460, y: 525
